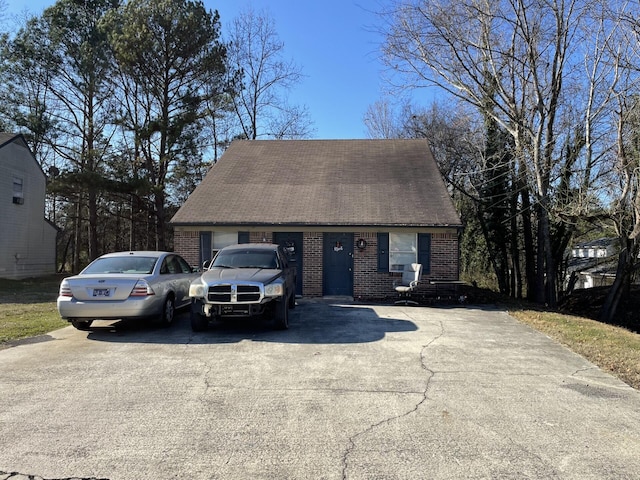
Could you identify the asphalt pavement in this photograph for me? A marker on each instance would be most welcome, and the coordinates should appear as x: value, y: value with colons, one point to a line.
x: 348, y: 392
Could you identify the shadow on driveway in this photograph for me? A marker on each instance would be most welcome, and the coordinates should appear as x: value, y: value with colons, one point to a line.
x: 309, y: 323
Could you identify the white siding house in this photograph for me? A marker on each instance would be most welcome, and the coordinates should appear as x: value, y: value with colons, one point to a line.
x: 27, y: 239
x: 592, y: 264
x: 600, y: 248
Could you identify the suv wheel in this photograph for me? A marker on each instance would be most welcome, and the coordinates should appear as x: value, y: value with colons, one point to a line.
x: 281, y: 314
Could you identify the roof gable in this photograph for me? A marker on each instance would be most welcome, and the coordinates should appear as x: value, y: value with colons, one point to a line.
x: 322, y: 182
x: 11, y: 140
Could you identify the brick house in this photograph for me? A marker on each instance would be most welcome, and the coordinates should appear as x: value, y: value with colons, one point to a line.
x: 352, y: 211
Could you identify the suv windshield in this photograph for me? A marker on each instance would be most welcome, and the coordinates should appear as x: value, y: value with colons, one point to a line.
x: 246, y: 259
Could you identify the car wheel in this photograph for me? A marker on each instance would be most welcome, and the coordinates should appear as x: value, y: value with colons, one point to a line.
x: 281, y: 315
x: 81, y: 324
x: 168, y: 311
x: 199, y: 322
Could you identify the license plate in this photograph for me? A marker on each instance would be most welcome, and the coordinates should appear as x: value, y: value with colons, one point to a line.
x: 101, y: 292
x: 235, y: 309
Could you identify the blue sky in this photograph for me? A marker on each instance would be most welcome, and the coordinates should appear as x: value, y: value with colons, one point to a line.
x: 331, y: 40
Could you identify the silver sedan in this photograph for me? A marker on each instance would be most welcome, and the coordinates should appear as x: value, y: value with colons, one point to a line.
x: 127, y: 285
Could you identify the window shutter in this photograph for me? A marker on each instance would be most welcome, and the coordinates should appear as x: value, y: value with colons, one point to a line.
x: 424, y: 251
x: 243, y: 237
x: 383, y: 252
x: 205, y: 247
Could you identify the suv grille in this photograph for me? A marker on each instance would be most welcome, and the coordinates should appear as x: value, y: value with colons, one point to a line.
x: 234, y: 293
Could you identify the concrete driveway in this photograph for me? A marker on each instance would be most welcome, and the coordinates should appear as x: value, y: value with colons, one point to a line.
x: 348, y: 392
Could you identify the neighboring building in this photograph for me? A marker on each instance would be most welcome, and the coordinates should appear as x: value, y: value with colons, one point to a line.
x: 27, y: 239
x: 592, y: 264
x: 600, y: 248
x: 353, y: 212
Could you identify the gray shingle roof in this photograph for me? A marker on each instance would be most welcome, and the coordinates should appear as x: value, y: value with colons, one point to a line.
x: 323, y: 183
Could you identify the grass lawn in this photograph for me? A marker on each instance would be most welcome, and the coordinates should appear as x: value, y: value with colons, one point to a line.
x: 29, y: 308
x: 613, y: 349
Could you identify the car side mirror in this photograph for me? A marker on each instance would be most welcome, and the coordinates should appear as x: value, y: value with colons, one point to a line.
x: 206, y: 264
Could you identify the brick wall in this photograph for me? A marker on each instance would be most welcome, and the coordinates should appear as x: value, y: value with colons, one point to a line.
x: 368, y: 283
x: 444, y: 256
x: 187, y: 244
x: 312, y: 264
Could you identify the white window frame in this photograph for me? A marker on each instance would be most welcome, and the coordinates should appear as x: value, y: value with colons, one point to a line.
x: 403, y: 250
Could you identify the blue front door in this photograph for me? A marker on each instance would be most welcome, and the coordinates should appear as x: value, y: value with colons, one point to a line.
x: 338, y: 264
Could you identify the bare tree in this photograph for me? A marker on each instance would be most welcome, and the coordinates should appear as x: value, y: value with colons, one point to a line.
x: 260, y: 102
x: 515, y: 63
x: 219, y: 123
x: 625, y: 211
x: 624, y: 58
x: 381, y: 120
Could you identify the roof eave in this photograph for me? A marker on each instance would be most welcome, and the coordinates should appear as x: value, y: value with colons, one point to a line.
x: 316, y: 224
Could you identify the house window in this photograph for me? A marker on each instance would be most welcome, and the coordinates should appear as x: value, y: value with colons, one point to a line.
x: 223, y: 239
x: 211, y: 242
x: 398, y: 249
x: 18, y: 195
x: 402, y: 250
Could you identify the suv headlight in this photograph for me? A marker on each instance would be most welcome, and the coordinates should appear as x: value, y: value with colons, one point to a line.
x: 274, y: 290
x: 196, y: 289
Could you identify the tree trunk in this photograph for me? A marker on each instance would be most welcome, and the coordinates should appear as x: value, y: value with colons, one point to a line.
x: 516, y: 273
x: 550, y: 292
x: 93, y: 224
x: 529, y: 247
x: 63, y: 260
x: 539, y: 287
x: 620, y: 284
x: 77, y: 236
x: 495, y: 254
x: 160, y: 222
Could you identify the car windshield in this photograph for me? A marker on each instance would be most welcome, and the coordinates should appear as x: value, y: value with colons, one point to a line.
x: 140, y: 265
x: 246, y: 259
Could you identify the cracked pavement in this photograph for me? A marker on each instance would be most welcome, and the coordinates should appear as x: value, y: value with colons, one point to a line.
x: 348, y: 392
